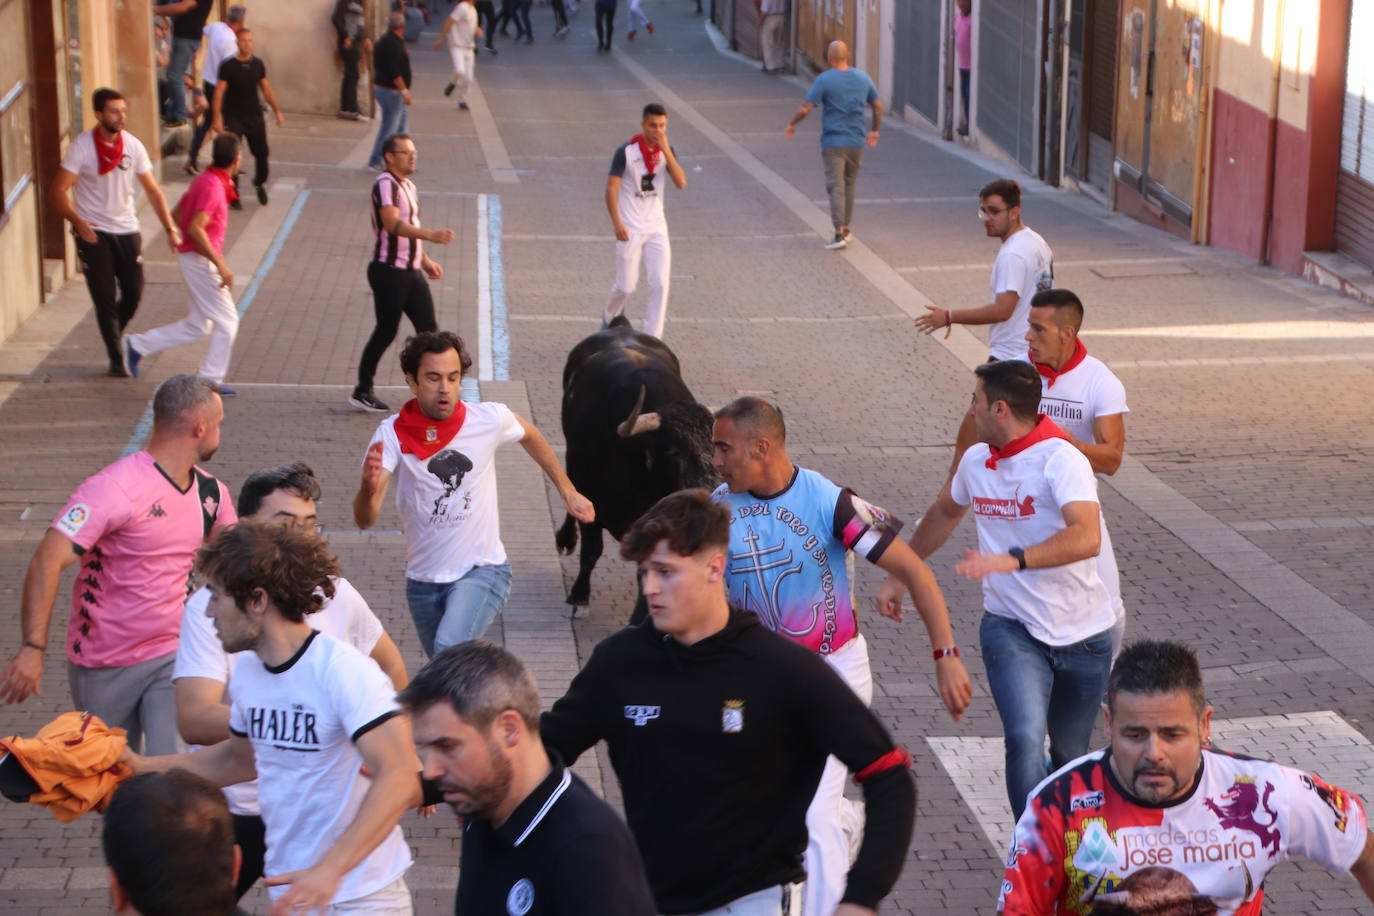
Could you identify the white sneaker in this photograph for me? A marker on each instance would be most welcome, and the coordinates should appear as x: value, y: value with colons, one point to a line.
x: 838, y: 242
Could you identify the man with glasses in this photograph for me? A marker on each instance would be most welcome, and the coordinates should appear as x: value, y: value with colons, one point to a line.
x: 287, y: 495
x: 1024, y: 266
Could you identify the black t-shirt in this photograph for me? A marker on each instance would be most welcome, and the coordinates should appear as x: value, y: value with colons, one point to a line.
x: 191, y: 23
x: 241, y: 93
x: 562, y: 852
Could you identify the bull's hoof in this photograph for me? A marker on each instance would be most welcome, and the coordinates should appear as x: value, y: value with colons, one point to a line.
x: 580, y: 612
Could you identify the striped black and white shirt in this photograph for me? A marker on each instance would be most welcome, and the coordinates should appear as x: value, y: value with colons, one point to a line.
x: 391, y: 249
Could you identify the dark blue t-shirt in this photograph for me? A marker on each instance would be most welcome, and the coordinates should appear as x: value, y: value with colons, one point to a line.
x: 842, y: 95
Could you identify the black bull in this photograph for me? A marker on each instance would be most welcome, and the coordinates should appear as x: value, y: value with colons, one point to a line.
x: 634, y: 434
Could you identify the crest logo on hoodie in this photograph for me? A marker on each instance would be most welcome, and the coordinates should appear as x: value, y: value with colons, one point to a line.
x: 641, y: 715
x: 732, y: 716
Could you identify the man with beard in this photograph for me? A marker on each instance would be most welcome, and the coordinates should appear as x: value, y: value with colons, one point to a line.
x: 1161, y: 823
x: 537, y: 840
x: 101, y: 165
x: 314, y: 720
x: 135, y: 527
x: 443, y: 453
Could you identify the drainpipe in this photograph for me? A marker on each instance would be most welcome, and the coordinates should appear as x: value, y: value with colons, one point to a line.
x: 947, y: 52
x: 1272, y: 153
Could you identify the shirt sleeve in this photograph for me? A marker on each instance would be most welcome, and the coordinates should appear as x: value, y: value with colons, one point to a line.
x: 141, y: 163
x: 1325, y: 823
x: 97, y: 507
x: 872, y: 96
x: 1070, y: 477
x: 618, y: 163
x: 1033, y: 880
x: 361, y: 695
x: 862, y: 527
x: 75, y: 156
x: 364, y: 629
x: 573, y: 724
x: 816, y: 94
x: 227, y: 514
x: 958, y: 486
x: 391, y: 446
x: 199, y: 651
x: 510, y: 429
x: 1010, y: 273
x: 385, y: 192
x: 1109, y: 397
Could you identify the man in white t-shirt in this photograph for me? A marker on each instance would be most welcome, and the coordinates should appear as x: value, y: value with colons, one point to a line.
x: 460, y: 33
x: 101, y: 165
x: 1024, y: 266
x: 314, y: 720
x: 1046, y: 634
x: 634, y: 198
x: 1087, y: 401
x: 284, y: 494
x: 442, y: 452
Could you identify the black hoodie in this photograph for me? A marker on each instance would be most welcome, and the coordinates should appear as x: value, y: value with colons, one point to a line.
x: 719, y: 747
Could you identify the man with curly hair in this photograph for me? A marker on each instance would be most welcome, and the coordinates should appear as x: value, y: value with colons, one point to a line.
x: 309, y: 714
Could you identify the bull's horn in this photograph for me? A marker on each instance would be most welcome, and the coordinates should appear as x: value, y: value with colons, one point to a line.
x: 627, y: 429
x: 646, y: 423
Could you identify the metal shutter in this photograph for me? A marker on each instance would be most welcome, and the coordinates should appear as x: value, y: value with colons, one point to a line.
x: 918, y: 63
x: 1355, y: 183
x: 1008, y: 76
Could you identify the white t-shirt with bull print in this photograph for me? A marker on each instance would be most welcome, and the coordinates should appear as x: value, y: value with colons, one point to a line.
x: 448, y: 501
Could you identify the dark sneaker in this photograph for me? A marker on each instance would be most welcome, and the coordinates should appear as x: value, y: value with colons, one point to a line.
x: 191, y: 167
x: 262, y: 193
x: 838, y: 242
x: 562, y: 32
x: 236, y: 204
x: 131, y: 358
x: 350, y: 115
x: 463, y: 106
x: 366, y: 400
x: 448, y: 90
x: 117, y: 370
x: 225, y: 391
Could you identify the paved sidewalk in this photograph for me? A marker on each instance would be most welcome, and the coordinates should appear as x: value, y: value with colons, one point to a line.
x: 1241, y: 522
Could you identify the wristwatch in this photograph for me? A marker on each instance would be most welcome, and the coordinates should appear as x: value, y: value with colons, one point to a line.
x: 1020, y: 555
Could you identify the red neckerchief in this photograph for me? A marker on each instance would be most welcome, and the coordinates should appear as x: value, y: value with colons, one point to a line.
x: 1045, y: 429
x: 108, y: 153
x: 421, y: 436
x: 1080, y: 353
x: 230, y: 192
x: 650, y: 153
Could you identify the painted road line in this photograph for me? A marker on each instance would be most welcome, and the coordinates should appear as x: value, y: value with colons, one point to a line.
x: 1319, y: 742
x: 144, y: 427
x: 489, y: 138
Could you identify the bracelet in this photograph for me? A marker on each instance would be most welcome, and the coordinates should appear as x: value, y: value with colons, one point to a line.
x: 946, y: 652
x: 34, y: 645
x: 949, y: 323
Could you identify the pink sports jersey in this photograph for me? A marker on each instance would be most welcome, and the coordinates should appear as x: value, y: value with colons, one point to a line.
x: 137, y: 533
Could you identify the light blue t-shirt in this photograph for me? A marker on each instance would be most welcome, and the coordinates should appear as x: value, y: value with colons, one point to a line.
x: 842, y: 95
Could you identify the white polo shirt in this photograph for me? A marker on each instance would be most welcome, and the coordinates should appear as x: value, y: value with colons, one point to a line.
x: 1020, y: 504
x: 107, y: 201
x: 1025, y: 266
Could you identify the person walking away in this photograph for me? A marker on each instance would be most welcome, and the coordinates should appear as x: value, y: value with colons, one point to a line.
x: 351, y: 31
x: 460, y: 32
x: 605, y: 24
x: 238, y: 110
x: 204, y: 214
x: 842, y: 91
x: 188, y: 24
x: 774, y: 13
x: 391, y: 86
x: 100, y: 166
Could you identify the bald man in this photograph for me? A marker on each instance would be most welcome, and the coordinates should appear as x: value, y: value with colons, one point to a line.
x: 842, y: 92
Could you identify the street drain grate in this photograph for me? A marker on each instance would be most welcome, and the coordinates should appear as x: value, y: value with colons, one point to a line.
x: 1132, y: 271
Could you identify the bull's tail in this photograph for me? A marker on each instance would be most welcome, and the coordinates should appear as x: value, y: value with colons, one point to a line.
x: 566, y: 537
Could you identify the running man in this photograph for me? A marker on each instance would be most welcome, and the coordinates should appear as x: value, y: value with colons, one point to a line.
x: 634, y: 199
x: 238, y: 110
x: 460, y: 32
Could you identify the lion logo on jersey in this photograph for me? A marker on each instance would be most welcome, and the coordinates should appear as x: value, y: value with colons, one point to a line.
x: 1237, y: 812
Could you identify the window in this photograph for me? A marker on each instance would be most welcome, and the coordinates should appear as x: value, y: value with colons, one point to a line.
x: 16, y: 102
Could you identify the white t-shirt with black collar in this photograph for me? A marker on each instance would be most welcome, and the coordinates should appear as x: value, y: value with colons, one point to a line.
x: 1020, y: 504
x: 304, y: 718
x: 641, y: 190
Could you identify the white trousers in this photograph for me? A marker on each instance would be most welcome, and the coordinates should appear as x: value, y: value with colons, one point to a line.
x: 637, y: 18
x: 464, y: 68
x: 834, y: 824
x: 653, y: 249
x: 210, y: 311
x: 392, y: 900
x: 771, y: 39
x: 771, y: 901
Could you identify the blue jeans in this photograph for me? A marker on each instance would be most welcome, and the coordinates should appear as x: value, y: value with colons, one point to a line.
x: 393, y: 120
x: 447, y: 613
x: 183, y: 51
x: 1041, y: 689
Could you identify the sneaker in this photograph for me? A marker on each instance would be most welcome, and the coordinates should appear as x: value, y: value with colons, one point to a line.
x: 236, y: 204
x: 838, y: 242
x: 117, y: 370
x: 492, y: 50
x: 173, y: 125
x: 366, y: 400
x: 448, y: 90
x: 226, y: 392
x: 131, y: 358
x: 630, y: 35
x: 650, y: 27
x: 350, y: 115
x: 462, y: 106
x: 191, y: 168
x: 262, y: 193
x: 563, y: 32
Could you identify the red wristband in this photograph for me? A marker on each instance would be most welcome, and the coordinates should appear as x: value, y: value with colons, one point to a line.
x: 943, y: 653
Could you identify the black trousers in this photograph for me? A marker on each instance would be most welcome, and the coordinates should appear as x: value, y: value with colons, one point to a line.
x: 605, y: 26
x: 486, y: 17
x: 395, y: 292
x: 202, y: 128
x: 560, y: 14
x: 253, y: 131
x: 348, y: 89
x: 519, y: 12
x: 250, y: 833
x: 113, y: 265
